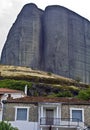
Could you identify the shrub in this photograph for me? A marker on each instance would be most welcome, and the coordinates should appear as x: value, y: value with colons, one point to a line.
x: 65, y: 94
x: 6, y: 126
x: 78, y: 79
x: 14, y: 84
x: 84, y: 94
x: 62, y: 94
x: 49, y: 73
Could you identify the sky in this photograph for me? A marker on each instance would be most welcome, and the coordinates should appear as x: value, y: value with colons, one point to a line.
x: 9, y: 9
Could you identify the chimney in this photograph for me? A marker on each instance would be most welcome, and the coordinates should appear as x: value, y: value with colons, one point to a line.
x: 25, y: 91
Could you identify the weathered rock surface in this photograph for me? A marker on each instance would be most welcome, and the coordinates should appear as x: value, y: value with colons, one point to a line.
x: 55, y: 40
x: 23, y: 43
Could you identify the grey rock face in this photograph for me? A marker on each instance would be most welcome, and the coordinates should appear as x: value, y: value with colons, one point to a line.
x: 23, y: 42
x: 55, y: 40
x: 67, y: 43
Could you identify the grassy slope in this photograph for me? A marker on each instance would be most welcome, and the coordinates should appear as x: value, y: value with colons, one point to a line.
x: 17, y: 77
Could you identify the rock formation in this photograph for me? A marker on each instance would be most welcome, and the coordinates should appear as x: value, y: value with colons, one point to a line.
x: 23, y: 42
x: 55, y: 40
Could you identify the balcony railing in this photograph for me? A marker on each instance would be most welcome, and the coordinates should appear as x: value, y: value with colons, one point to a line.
x: 60, y: 121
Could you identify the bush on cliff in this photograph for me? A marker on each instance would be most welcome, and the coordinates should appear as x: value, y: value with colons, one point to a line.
x: 14, y: 84
x: 84, y: 94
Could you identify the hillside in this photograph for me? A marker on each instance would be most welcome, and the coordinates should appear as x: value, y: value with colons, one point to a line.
x: 39, y: 82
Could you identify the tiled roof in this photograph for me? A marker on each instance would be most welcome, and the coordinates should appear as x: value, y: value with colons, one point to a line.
x: 6, y: 90
x: 31, y: 99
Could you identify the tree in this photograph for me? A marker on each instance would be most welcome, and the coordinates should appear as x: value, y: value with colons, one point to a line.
x: 84, y: 94
x: 6, y: 126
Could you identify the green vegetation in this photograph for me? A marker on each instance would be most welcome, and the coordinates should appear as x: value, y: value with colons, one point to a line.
x: 63, y: 91
x: 62, y: 94
x: 49, y: 73
x: 65, y: 94
x: 14, y: 84
x: 84, y: 94
x: 42, y: 83
x: 6, y: 126
x: 78, y: 79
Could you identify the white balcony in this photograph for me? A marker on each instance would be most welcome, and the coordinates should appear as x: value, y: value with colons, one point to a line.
x: 61, y: 122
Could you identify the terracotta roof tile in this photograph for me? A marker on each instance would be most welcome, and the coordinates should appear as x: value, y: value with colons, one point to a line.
x: 6, y: 90
x: 28, y: 99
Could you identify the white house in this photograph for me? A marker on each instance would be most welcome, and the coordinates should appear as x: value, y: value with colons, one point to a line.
x: 8, y: 93
x: 5, y: 92
x: 42, y: 113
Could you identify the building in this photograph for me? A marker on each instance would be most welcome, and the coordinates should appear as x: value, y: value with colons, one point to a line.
x: 8, y: 93
x: 42, y: 113
x: 5, y: 92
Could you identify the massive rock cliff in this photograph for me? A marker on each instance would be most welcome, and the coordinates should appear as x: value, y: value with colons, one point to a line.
x: 23, y: 45
x: 55, y: 40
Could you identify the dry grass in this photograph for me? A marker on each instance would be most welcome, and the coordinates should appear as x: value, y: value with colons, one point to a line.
x: 24, y: 71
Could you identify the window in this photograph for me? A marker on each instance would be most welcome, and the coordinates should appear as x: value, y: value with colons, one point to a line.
x: 77, y: 114
x: 22, y: 114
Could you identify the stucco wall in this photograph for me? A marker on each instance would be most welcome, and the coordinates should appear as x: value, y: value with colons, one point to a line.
x: 25, y: 125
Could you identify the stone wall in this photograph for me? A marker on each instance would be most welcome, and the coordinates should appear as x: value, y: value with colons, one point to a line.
x: 9, y: 111
x: 65, y: 111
